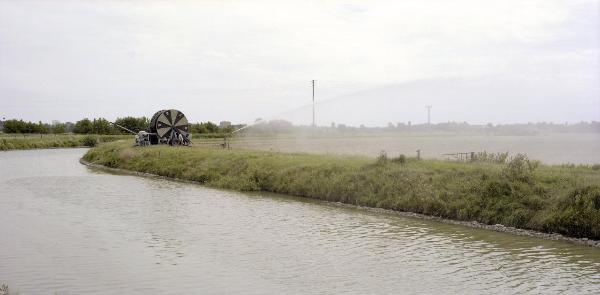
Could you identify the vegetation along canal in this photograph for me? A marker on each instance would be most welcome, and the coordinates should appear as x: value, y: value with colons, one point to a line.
x: 70, y: 229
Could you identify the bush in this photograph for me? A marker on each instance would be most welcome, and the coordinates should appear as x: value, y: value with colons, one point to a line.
x: 90, y: 141
x: 382, y: 158
x: 498, y: 158
x: 520, y: 168
x: 578, y: 214
x: 400, y: 159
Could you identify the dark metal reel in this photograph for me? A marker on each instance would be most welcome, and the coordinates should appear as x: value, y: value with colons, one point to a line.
x: 166, y: 122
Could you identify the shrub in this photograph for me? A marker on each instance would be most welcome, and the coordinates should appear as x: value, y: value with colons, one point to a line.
x: 499, y: 158
x: 578, y: 214
x: 382, y: 158
x: 400, y: 159
x: 497, y: 189
x: 89, y: 140
x: 520, y: 168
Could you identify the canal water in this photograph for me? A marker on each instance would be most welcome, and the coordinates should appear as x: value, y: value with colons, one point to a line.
x: 69, y: 229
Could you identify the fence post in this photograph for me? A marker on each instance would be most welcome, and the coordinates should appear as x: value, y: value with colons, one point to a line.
x: 419, y: 154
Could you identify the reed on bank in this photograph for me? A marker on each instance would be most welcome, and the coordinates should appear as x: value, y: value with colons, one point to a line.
x: 520, y: 193
x: 44, y: 141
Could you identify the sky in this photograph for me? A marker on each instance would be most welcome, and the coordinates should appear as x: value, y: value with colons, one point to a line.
x: 374, y: 62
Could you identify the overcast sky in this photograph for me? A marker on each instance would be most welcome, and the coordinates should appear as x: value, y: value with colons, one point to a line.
x: 374, y: 61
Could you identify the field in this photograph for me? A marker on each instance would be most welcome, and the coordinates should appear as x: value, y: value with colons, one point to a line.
x: 567, y: 148
x: 44, y: 141
x: 548, y: 148
x: 520, y: 193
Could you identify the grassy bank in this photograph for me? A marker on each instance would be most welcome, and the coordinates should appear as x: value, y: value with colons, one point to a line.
x: 521, y: 193
x: 44, y: 141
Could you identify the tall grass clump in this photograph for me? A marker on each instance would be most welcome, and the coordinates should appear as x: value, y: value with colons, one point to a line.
x: 400, y: 159
x: 520, y: 168
x: 498, y: 158
x: 519, y: 192
x: 577, y: 213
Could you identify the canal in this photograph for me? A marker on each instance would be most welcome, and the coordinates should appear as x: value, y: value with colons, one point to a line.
x: 69, y: 229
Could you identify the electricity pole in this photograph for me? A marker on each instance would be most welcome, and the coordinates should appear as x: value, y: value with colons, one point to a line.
x: 428, y: 115
x: 313, y: 109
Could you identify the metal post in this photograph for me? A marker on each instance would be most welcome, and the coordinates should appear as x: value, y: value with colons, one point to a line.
x: 428, y: 115
x: 313, y: 103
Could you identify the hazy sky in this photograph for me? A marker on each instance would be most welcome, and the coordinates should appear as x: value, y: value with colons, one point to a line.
x: 374, y: 61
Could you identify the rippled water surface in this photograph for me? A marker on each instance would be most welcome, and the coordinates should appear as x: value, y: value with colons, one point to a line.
x: 68, y: 229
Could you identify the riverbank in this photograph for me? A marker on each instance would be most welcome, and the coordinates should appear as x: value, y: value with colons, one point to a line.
x: 44, y: 141
x: 520, y: 194
x: 471, y: 224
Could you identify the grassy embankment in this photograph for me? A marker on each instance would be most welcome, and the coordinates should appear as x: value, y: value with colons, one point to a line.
x: 520, y: 193
x: 44, y: 141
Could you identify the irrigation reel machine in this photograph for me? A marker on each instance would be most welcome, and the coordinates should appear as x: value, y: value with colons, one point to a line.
x: 166, y: 127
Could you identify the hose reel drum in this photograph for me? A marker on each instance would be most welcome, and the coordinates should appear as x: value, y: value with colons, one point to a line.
x: 166, y: 125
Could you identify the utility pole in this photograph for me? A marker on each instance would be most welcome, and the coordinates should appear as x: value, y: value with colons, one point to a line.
x: 428, y: 115
x: 313, y: 92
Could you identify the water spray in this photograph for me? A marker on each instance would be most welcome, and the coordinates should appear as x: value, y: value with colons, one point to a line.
x: 249, y: 125
x: 226, y: 143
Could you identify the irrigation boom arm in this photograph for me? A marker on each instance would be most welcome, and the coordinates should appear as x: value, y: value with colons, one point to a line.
x: 123, y: 127
x: 249, y: 125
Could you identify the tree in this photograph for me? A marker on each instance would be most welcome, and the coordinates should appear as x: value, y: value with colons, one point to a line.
x: 83, y: 126
x: 132, y: 123
x: 101, y: 126
x: 226, y: 129
x: 58, y: 127
x: 41, y: 128
x: 208, y: 127
x: 69, y: 126
x: 30, y: 127
x: 211, y: 127
x: 14, y: 126
x: 20, y: 126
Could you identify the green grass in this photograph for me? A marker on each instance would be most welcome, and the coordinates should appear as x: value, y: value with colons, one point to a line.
x: 521, y: 193
x: 37, y: 141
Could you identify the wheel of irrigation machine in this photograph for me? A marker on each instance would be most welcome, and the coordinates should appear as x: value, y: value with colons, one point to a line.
x: 166, y: 122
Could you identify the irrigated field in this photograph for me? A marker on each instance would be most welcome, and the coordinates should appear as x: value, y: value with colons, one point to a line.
x: 550, y: 149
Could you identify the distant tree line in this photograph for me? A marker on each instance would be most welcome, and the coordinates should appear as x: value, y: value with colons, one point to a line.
x: 135, y: 124
x: 99, y: 126
x: 84, y: 126
x: 103, y: 126
x: 282, y: 126
x: 20, y: 126
x: 210, y: 127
